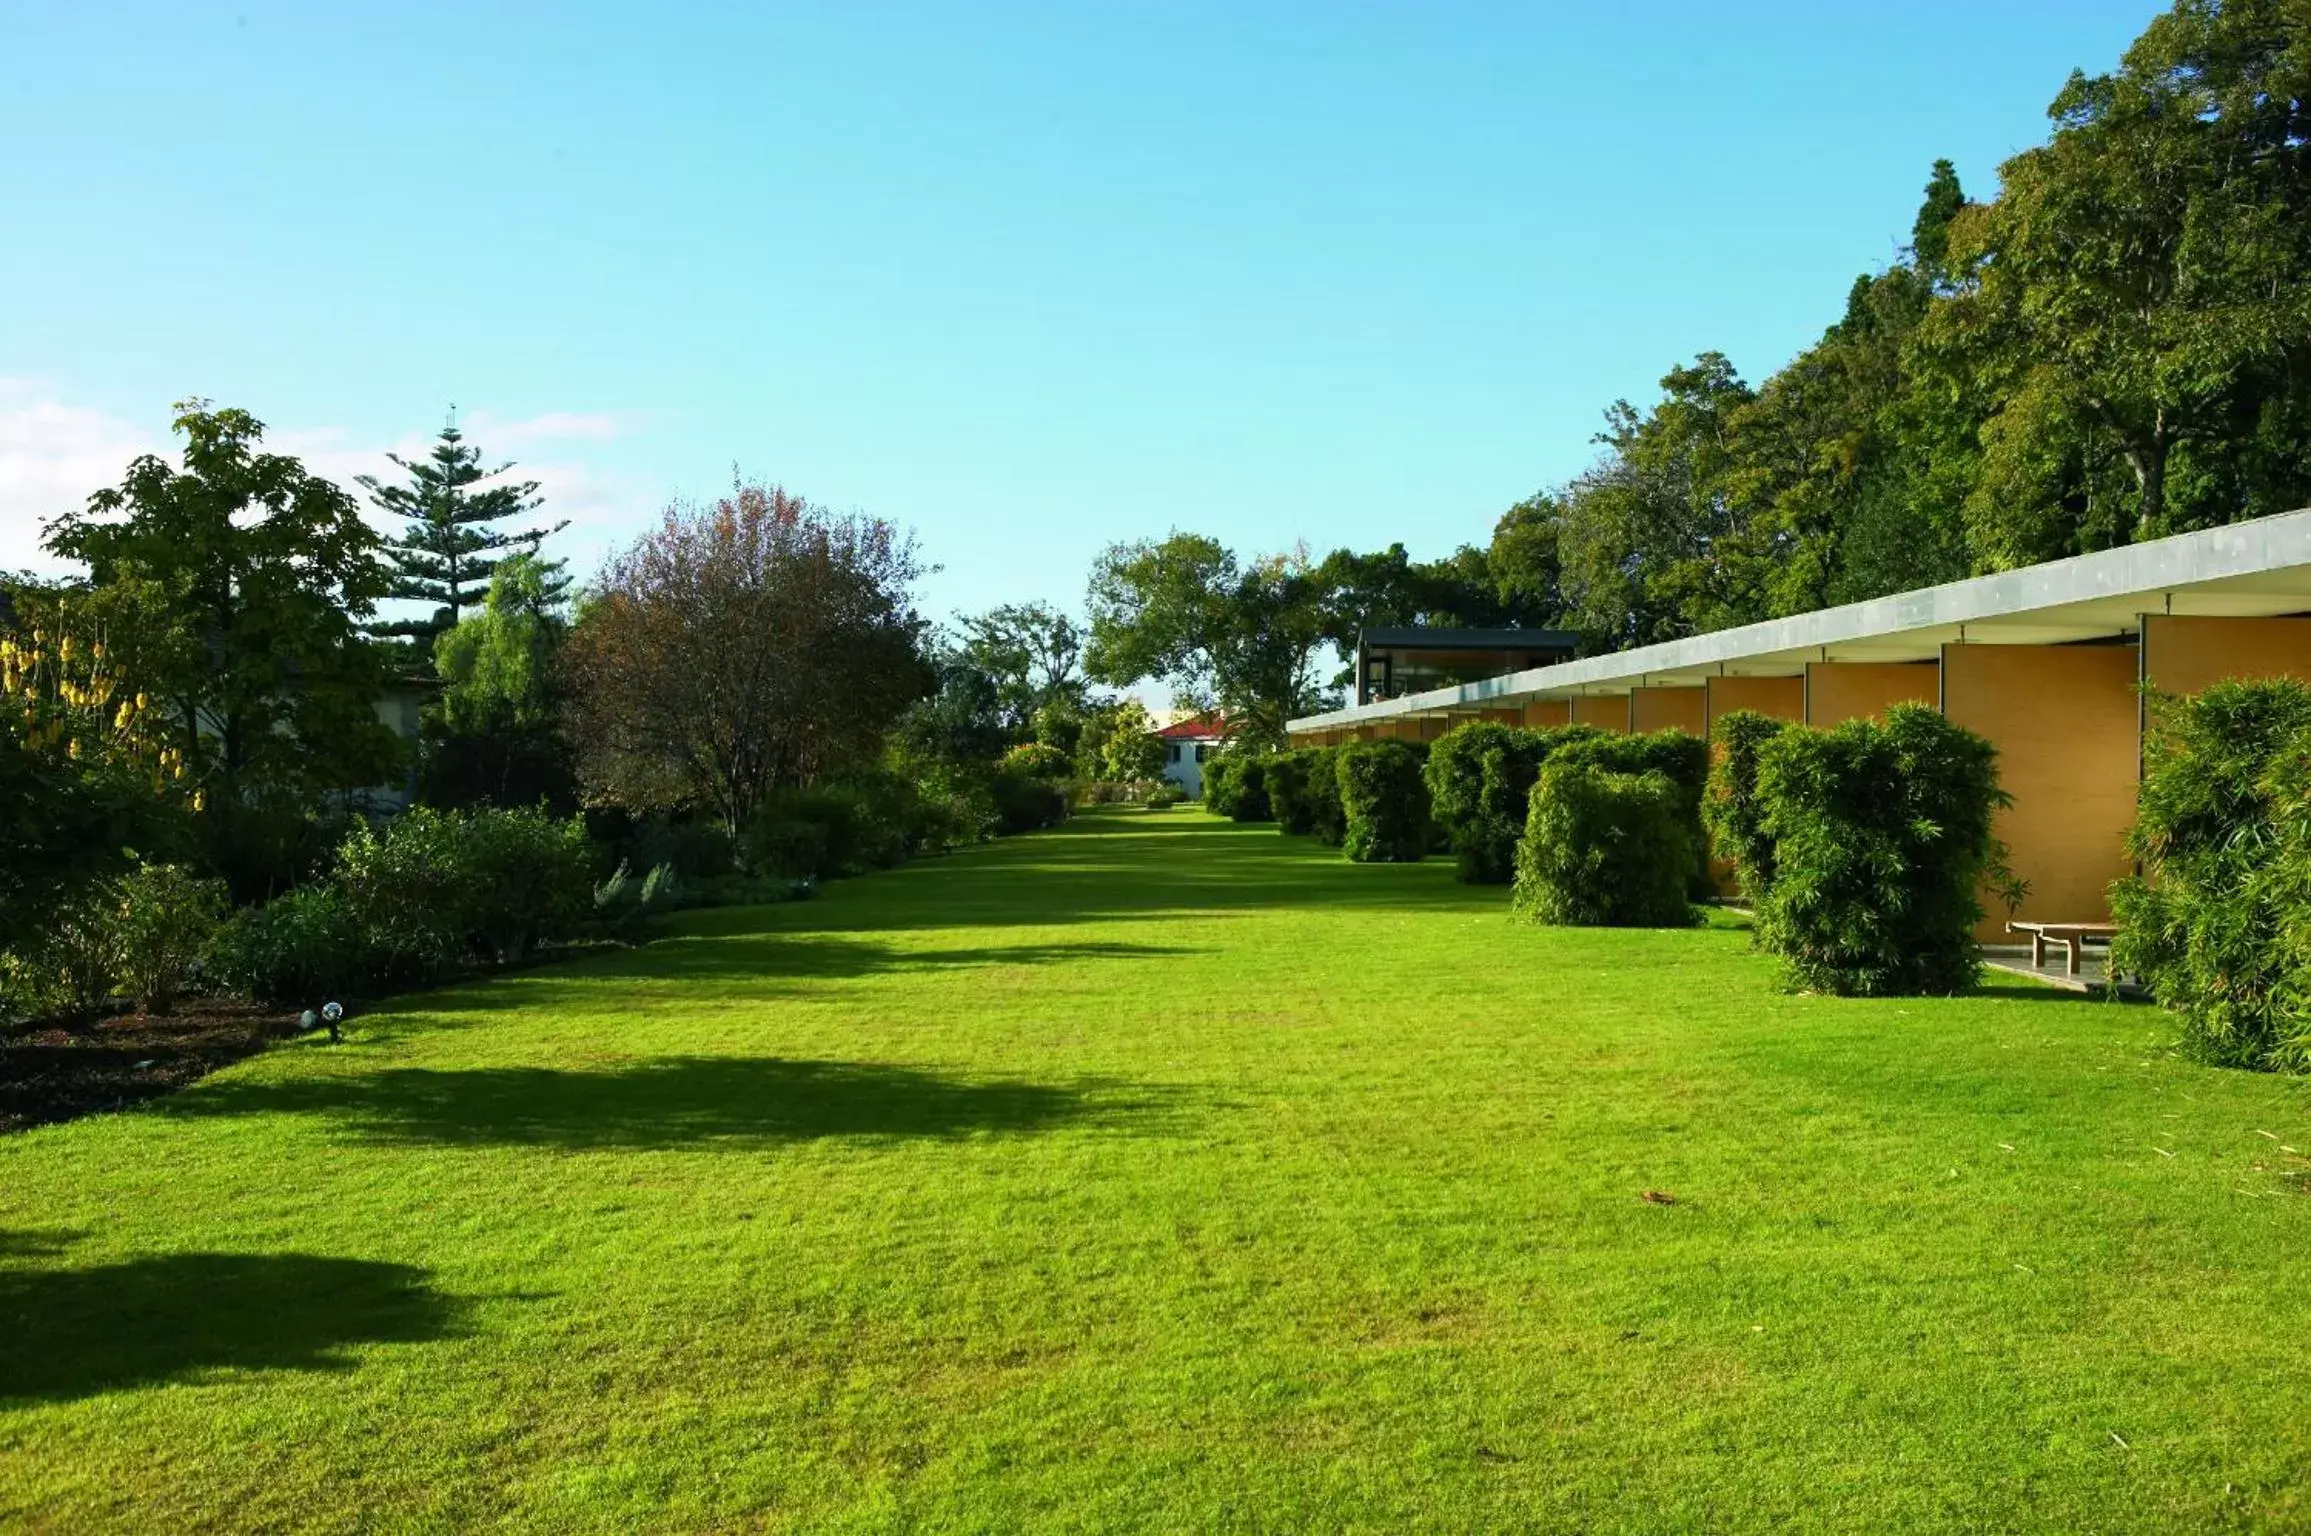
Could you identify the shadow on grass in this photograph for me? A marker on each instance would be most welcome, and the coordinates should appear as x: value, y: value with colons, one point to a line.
x: 75, y: 1332
x: 739, y: 1103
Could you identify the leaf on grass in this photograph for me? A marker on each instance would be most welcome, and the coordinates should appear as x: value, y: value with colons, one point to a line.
x: 1658, y: 1197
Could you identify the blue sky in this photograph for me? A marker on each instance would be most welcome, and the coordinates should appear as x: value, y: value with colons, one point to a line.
x: 1028, y: 279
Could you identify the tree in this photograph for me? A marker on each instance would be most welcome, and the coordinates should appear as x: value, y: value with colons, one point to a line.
x: 494, y: 737
x: 232, y: 591
x: 448, y: 551
x: 1239, y: 638
x: 1032, y: 652
x: 1129, y: 748
x: 758, y: 644
x: 2133, y: 303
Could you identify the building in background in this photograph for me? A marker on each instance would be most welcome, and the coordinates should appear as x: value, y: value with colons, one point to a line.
x: 1391, y: 663
x: 1187, y: 743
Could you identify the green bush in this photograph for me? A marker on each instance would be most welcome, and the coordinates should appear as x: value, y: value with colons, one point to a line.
x: 1604, y: 849
x: 532, y: 876
x: 1220, y: 783
x: 2215, y: 923
x: 410, y: 891
x: 1024, y: 804
x: 1680, y: 758
x: 1164, y: 796
x: 847, y: 827
x: 69, y: 966
x: 1881, y: 838
x: 1304, y: 790
x: 623, y: 904
x: 164, y: 921
x: 300, y: 949
x: 1037, y: 761
x: 1480, y: 780
x: 1384, y: 801
x: 1730, y: 808
x: 1236, y: 786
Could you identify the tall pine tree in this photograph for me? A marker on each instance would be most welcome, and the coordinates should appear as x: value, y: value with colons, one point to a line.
x: 448, y: 550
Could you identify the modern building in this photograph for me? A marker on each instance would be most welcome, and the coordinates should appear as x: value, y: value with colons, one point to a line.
x: 2051, y: 663
x: 1391, y: 663
x: 1187, y: 743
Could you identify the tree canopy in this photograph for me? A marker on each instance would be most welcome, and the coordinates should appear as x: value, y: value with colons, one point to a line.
x: 448, y: 549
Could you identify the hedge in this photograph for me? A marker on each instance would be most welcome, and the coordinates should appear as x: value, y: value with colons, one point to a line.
x: 1304, y: 791
x: 1730, y: 807
x: 1248, y: 776
x: 1881, y: 838
x: 2215, y: 922
x: 1384, y: 802
x: 1480, y: 781
x: 1680, y: 758
x: 1604, y: 849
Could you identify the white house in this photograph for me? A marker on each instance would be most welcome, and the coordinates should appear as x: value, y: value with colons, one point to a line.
x: 1186, y: 744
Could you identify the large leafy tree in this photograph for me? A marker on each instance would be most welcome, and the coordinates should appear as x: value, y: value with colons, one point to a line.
x: 1242, y: 637
x: 450, y: 547
x: 753, y: 645
x: 2134, y: 303
x: 1033, y: 654
x: 233, y: 591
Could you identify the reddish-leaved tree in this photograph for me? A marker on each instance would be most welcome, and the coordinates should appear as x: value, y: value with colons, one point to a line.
x: 756, y: 644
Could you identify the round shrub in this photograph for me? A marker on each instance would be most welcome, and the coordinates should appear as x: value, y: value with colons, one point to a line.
x: 1025, y: 804
x: 1035, y: 760
x: 1247, y: 786
x: 1604, y: 850
x: 2215, y: 923
x: 1384, y: 802
x: 1881, y: 838
x: 1730, y: 806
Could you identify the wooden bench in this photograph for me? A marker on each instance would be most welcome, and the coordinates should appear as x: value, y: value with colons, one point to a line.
x: 2073, y: 937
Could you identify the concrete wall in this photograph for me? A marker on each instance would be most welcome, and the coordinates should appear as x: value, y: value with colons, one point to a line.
x: 2063, y: 718
x: 2184, y: 655
x: 1542, y: 714
x: 1838, y: 691
x: 1782, y: 698
x: 1608, y: 712
x: 1669, y: 709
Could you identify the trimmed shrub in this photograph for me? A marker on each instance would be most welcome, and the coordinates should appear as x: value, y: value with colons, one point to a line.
x: 1164, y: 796
x: 1604, y: 849
x: 164, y: 919
x: 1881, y: 839
x: 1730, y: 807
x: 1384, y: 801
x: 1247, y: 781
x: 411, y: 893
x: 1480, y: 779
x: 2215, y: 923
x: 1287, y: 780
x: 1318, y: 797
x: 1680, y: 758
x: 300, y: 949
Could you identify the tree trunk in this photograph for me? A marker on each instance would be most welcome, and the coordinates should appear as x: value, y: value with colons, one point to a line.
x: 2149, y: 462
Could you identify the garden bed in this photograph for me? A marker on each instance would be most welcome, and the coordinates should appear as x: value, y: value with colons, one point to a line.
x: 48, y: 1074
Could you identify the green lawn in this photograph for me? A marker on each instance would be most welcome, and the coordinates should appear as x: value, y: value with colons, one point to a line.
x: 1167, y: 1175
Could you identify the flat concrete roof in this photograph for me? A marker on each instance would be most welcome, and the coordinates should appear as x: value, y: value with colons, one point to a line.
x: 1422, y: 637
x: 2258, y: 569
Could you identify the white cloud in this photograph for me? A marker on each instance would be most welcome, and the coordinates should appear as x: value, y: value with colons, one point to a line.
x: 53, y: 454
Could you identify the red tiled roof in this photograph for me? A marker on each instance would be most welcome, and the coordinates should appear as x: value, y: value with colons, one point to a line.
x: 1201, y: 728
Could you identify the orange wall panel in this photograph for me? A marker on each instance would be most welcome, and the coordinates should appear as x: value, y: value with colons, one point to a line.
x: 1781, y: 698
x: 1669, y: 709
x: 1838, y: 691
x: 1608, y: 712
x: 2063, y: 718
x: 2186, y: 655
x: 1542, y: 714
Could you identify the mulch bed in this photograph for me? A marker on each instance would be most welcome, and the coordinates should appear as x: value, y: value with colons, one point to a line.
x: 52, y: 1074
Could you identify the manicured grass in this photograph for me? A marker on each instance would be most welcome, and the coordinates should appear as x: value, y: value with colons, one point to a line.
x: 1166, y: 1175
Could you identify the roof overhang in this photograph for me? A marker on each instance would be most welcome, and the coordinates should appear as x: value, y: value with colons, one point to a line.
x: 2257, y: 569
